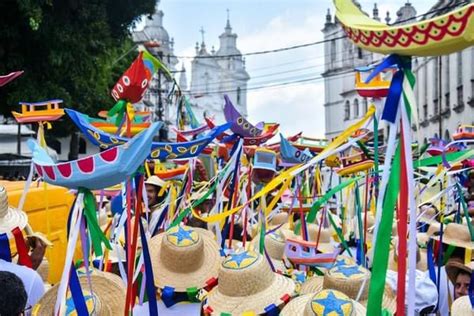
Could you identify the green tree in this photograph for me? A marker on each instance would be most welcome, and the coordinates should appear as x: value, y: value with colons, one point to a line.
x: 68, y: 50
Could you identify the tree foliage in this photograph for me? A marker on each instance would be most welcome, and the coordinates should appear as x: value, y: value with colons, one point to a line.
x: 68, y: 50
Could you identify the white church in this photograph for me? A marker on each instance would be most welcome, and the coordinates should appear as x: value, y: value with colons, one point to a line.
x: 444, y: 88
x: 213, y: 74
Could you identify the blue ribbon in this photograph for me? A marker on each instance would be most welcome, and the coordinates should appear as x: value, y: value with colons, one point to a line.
x: 396, y: 86
x: 471, y: 290
x: 76, y: 292
x: 149, y: 282
x: 5, y: 252
x: 160, y: 221
x: 170, y: 297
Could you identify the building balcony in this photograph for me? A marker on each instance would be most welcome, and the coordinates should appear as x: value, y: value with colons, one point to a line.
x: 434, y: 118
x: 446, y: 113
x: 424, y: 123
x: 458, y: 108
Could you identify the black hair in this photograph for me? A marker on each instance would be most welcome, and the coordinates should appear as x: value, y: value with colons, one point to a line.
x: 13, y: 297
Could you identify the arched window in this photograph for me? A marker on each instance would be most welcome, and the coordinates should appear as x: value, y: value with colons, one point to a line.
x: 356, y: 108
x: 238, y: 95
x: 365, y: 105
x: 347, y: 110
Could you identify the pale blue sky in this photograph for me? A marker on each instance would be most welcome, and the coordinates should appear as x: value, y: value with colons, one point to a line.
x: 263, y: 25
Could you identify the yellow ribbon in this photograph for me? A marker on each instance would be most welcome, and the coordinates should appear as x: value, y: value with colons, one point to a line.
x: 291, y: 172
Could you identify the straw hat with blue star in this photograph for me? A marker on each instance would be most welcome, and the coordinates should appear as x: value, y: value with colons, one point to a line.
x: 184, y: 257
x: 248, y: 285
x: 325, y: 302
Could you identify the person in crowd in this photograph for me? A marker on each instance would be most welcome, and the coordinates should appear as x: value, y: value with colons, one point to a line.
x: 460, y: 275
x: 156, y: 195
x: 13, y: 297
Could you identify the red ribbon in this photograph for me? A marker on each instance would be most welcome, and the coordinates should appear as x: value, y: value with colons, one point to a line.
x: 23, y: 257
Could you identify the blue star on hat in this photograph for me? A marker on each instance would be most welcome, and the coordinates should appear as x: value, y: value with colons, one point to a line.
x: 340, y: 262
x: 71, y: 308
x: 183, y: 234
x: 239, y: 257
x: 331, y: 304
x: 348, y: 270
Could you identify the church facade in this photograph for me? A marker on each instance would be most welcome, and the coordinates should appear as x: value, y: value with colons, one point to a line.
x: 444, y: 87
x: 213, y: 73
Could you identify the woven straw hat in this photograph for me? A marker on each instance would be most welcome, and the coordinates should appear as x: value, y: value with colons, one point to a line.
x: 349, y: 279
x: 325, y: 302
x: 457, y: 235
x: 421, y: 258
x: 278, y: 219
x: 423, y: 238
x: 107, y: 297
x: 247, y: 284
x: 275, y: 247
x: 325, y: 234
x: 315, y: 283
x: 454, y: 265
x: 184, y: 257
x: 10, y: 217
x: 462, y: 306
x: 156, y: 181
x: 428, y: 213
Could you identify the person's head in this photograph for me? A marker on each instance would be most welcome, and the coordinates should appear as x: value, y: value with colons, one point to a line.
x: 461, y: 286
x: 153, y: 187
x: 13, y: 297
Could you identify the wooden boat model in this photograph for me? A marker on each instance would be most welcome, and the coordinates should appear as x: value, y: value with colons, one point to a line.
x: 440, y: 35
x: 159, y: 150
x: 239, y: 124
x: 314, y: 145
x: 292, y: 155
x: 10, y: 77
x: 305, y: 253
x: 354, y: 164
x: 464, y: 132
x: 377, y: 88
x: 101, y: 170
x: 44, y: 111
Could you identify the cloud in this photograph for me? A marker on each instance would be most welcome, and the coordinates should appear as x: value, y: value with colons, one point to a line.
x: 297, y: 107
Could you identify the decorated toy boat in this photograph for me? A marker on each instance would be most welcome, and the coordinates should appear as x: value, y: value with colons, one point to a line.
x: 194, y: 131
x: 314, y: 145
x: 441, y: 35
x: 354, y: 164
x: 172, y: 174
x: 292, y: 155
x: 306, y: 253
x: 464, y: 132
x: 140, y: 116
x: 161, y: 151
x: 98, y: 171
x: 108, y: 125
x: 264, y: 165
x: 240, y: 125
x: 438, y: 147
x: 39, y: 111
x: 377, y: 87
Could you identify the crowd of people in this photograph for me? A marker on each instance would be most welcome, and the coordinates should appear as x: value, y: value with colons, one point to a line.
x: 198, y: 271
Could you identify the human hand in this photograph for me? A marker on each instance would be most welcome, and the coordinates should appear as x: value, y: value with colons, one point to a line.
x: 38, y: 249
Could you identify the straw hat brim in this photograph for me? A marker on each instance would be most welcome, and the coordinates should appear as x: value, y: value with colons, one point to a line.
x: 461, y: 306
x: 237, y: 305
x: 108, y: 288
x: 312, y: 285
x: 298, y: 305
x: 13, y: 218
x: 184, y: 280
x: 452, y: 269
x: 455, y: 242
x: 315, y: 284
x: 421, y: 265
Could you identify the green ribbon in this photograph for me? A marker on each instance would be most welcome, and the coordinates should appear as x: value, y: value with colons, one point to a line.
x: 118, y: 109
x: 384, y: 234
x: 311, y: 217
x: 436, y: 160
x: 465, y: 210
x: 339, y: 234
x: 90, y: 212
